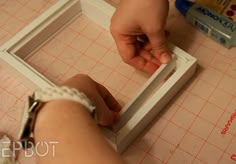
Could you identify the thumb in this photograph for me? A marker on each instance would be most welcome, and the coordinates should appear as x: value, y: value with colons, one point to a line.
x: 159, y: 46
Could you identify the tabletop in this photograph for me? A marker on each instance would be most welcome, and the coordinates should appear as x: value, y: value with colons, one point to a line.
x: 197, y: 126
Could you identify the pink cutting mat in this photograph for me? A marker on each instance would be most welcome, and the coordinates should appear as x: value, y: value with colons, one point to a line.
x: 14, y: 16
x: 189, y: 128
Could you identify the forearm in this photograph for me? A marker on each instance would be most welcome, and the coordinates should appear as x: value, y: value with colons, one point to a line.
x: 78, y: 137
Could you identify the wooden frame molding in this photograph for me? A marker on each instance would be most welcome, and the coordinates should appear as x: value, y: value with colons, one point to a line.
x: 140, y: 111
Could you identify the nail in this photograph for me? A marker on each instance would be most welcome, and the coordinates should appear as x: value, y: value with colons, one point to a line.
x: 165, y: 57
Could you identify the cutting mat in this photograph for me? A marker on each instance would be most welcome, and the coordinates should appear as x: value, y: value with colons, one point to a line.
x: 198, y: 126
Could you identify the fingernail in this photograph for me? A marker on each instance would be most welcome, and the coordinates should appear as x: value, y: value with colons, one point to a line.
x: 165, y: 57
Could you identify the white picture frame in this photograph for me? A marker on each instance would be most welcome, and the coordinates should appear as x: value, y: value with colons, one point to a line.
x: 141, y: 110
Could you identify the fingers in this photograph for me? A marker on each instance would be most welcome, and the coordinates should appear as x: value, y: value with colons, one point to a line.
x: 142, y: 64
x: 110, y: 101
x: 147, y: 45
x: 159, y: 46
x: 107, y: 108
x: 136, y: 51
x: 111, y: 108
x: 135, y: 55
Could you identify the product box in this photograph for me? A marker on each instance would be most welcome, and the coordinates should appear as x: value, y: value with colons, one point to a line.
x: 224, y: 7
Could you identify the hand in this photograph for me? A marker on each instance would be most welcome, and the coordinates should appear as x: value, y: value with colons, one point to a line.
x: 138, y: 28
x: 107, y: 108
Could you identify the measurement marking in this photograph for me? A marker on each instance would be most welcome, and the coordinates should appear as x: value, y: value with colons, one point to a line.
x: 233, y: 157
x: 226, y: 128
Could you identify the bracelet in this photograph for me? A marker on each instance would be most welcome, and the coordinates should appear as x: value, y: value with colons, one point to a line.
x: 66, y: 93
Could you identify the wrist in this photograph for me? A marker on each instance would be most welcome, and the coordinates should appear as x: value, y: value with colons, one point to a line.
x: 61, y: 109
x: 53, y: 98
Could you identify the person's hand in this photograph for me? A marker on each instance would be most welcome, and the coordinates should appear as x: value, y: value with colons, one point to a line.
x: 107, y: 108
x: 138, y: 28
